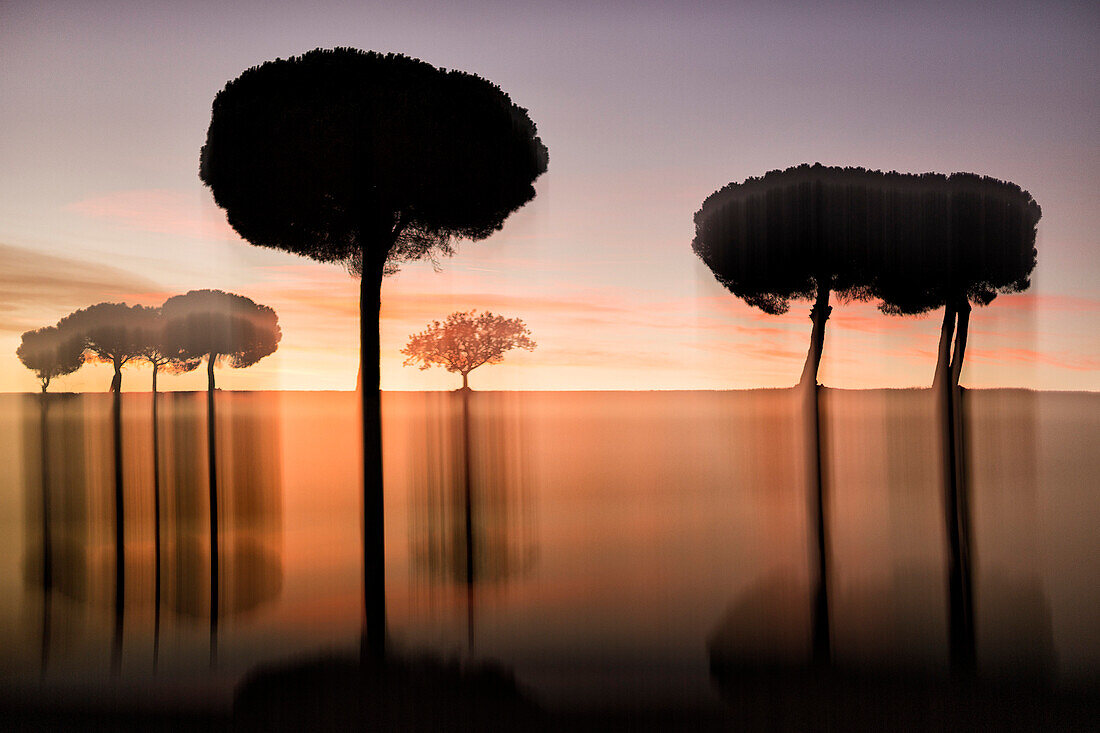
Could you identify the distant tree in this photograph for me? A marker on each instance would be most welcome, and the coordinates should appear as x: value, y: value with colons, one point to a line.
x: 160, y: 351
x: 51, y: 352
x: 222, y: 327
x: 368, y: 160
x: 465, y: 341
x: 112, y: 334
x: 962, y: 240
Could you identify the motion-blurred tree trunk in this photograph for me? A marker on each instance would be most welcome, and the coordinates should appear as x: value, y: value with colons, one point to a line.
x: 811, y: 420
x: 374, y: 561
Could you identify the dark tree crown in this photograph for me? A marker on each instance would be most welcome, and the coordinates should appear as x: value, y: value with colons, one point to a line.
x: 111, y: 332
x: 323, y: 153
x: 223, y: 326
x: 913, y: 240
x: 51, y: 352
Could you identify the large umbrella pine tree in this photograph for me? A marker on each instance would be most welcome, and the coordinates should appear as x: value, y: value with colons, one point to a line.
x: 960, y: 241
x: 368, y: 160
x: 804, y: 233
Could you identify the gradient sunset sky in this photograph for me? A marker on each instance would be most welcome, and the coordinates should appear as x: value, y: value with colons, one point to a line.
x: 646, y: 109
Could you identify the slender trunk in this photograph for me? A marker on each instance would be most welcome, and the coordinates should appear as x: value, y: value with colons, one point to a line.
x: 465, y: 380
x: 120, y: 545
x: 156, y: 526
x: 116, y: 380
x: 212, y: 470
x: 943, y: 352
x: 374, y: 559
x: 957, y: 509
x: 821, y: 647
x: 45, y: 384
x: 469, y: 515
x: 47, y: 544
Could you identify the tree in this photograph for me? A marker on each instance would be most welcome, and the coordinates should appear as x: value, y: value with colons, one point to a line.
x: 222, y: 327
x: 368, y: 160
x: 160, y: 351
x: 971, y: 237
x: 465, y: 341
x: 798, y: 234
x: 51, y: 352
x: 112, y: 334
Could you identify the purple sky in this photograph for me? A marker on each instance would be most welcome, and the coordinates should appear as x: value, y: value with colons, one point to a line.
x: 646, y: 109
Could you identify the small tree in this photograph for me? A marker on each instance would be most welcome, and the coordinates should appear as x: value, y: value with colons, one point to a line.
x: 51, y: 352
x: 368, y: 160
x: 465, y: 341
x: 161, y: 352
x: 112, y: 334
x: 220, y: 327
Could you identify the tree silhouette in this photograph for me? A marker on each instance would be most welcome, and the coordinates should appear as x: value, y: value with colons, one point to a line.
x: 465, y: 341
x: 368, y: 160
x: 51, y: 352
x: 112, y: 334
x: 798, y: 234
x: 222, y: 327
x: 161, y: 353
x: 967, y: 238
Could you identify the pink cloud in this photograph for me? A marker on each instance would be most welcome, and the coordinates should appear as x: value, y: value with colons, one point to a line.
x: 162, y: 211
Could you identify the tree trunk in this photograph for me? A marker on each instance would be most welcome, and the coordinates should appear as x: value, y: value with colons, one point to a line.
x: 469, y: 514
x: 466, y: 381
x: 120, y: 544
x: 212, y: 469
x: 957, y: 510
x: 374, y: 559
x: 811, y: 416
x: 943, y: 352
x: 156, y: 526
x: 116, y: 380
x: 47, y: 544
x: 45, y: 384
x: 819, y: 314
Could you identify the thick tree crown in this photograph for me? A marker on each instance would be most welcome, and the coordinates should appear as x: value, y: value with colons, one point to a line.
x: 323, y: 153
x: 911, y: 240
x: 51, y: 352
x: 112, y: 332
x: 225, y: 325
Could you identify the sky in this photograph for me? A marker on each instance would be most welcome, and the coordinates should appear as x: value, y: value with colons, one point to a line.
x: 646, y: 109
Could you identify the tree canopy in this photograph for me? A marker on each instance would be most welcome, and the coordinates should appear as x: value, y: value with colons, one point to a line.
x: 467, y: 340
x: 113, y: 333
x: 972, y: 238
x: 51, y: 352
x: 338, y: 151
x: 223, y: 327
x: 160, y: 349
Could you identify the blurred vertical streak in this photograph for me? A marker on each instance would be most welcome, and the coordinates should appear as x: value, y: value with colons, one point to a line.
x: 120, y: 525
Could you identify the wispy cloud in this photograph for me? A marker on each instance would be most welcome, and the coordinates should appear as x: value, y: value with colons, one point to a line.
x: 37, y: 288
x: 161, y: 211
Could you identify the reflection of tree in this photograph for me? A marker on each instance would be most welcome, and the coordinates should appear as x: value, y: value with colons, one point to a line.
x: 73, y: 550
x: 471, y: 522
x: 245, y: 569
